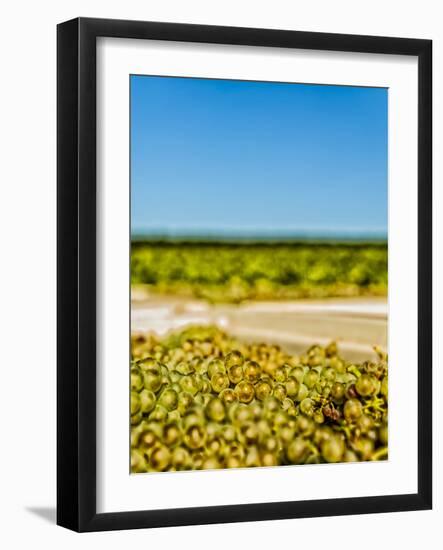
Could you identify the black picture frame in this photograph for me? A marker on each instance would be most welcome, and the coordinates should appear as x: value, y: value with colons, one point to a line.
x: 76, y: 279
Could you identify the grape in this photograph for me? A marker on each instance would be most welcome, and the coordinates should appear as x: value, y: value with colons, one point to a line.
x: 215, y: 410
x: 263, y: 390
x: 365, y: 385
x: 251, y: 371
x: 169, y: 399
x: 292, y: 386
x: 245, y: 391
x: 136, y: 379
x: 297, y: 451
x: 201, y: 400
x: 332, y: 449
x: 352, y: 410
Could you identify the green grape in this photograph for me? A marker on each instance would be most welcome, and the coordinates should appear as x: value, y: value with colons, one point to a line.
x: 174, y: 416
x: 135, y: 402
x: 337, y: 364
x: 158, y: 414
x: 310, y: 378
x: 364, y: 447
x: 352, y: 410
x: 234, y: 358
x: 184, y: 402
x: 193, y: 417
x: 172, y: 434
x: 264, y: 430
x: 298, y: 373
x: 135, y: 435
x: 292, y: 386
x: 271, y: 405
x: 152, y: 378
x: 250, y: 432
x: 150, y: 435
x: 211, y: 463
x: 338, y: 391
x: 305, y: 426
x: 365, y: 423
x: 332, y: 449
x: 136, y: 379
x: 202, y: 399
x: 365, y: 385
x: 328, y: 374
x: 212, y: 430
x: 318, y: 417
x: 307, y: 406
x: 383, y: 434
x: 166, y: 380
x: 331, y: 349
x: 303, y: 393
x: 321, y: 434
x: 195, y: 437
x: 206, y: 348
x: 269, y: 459
x: 148, y: 363
x: 189, y: 384
x: 200, y: 366
x: 256, y: 410
x: 168, y: 399
x: 235, y: 373
x: 147, y: 401
x: 350, y: 456
x: 315, y: 360
x: 279, y: 392
x: 185, y: 368
x: 280, y: 419
x: 287, y: 404
x: 219, y: 382
x: 138, y: 463
x: 245, y: 391
x: 234, y: 462
x: 262, y: 390
x: 241, y: 414
x: 181, y: 459
x: 251, y: 371
x: 215, y: 410
x: 280, y: 375
x: 216, y: 366
x: 206, y: 386
x: 286, y: 434
x: 228, y: 396
x: 160, y: 458
x: 175, y: 376
x: 252, y: 457
x: 229, y: 433
x: 297, y: 451
x: 136, y: 419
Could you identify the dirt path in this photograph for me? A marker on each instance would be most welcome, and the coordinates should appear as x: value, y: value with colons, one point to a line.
x: 357, y: 324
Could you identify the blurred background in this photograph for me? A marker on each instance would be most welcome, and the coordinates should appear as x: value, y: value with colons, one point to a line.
x: 261, y: 208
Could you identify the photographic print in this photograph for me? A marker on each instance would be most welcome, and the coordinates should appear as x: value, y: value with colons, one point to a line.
x: 259, y: 274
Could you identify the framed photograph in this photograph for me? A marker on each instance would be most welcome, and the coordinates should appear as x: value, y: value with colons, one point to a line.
x: 244, y: 274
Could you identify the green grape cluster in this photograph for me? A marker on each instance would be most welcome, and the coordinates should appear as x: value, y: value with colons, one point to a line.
x: 201, y: 400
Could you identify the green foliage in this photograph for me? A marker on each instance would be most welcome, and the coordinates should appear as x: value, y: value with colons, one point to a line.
x: 225, y: 272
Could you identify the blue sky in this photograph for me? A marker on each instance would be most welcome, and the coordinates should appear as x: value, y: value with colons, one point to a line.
x: 257, y: 158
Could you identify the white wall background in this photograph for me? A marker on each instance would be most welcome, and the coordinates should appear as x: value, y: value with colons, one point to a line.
x: 27, y: 275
